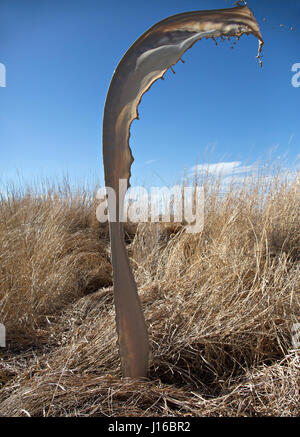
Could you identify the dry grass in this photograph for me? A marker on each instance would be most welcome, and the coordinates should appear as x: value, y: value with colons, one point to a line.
x: 220, y: 306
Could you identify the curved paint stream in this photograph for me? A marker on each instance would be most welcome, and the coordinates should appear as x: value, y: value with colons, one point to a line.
x: 147, y: 60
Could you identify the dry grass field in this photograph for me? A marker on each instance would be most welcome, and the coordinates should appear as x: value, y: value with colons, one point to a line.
x: 220, y: 306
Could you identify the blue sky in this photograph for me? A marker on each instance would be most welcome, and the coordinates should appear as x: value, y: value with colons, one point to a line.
x: 219, y: 106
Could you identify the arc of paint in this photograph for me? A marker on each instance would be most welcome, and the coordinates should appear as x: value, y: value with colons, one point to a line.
x: 146, y: 61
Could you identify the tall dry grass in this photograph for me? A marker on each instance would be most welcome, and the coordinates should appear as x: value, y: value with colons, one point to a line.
x: 51, y: 253
x: 220, y: 306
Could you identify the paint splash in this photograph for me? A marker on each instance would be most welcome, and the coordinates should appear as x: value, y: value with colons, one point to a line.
x: 146, y: 61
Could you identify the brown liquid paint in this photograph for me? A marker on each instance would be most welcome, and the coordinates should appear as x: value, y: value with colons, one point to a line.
x: 147, y: 60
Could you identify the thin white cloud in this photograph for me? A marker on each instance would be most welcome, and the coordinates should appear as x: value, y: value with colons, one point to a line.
x: 150, y: 161
x: 225, y: 168
x: 287, y: 175
x: 234, y: 174
x: 144, y: 163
